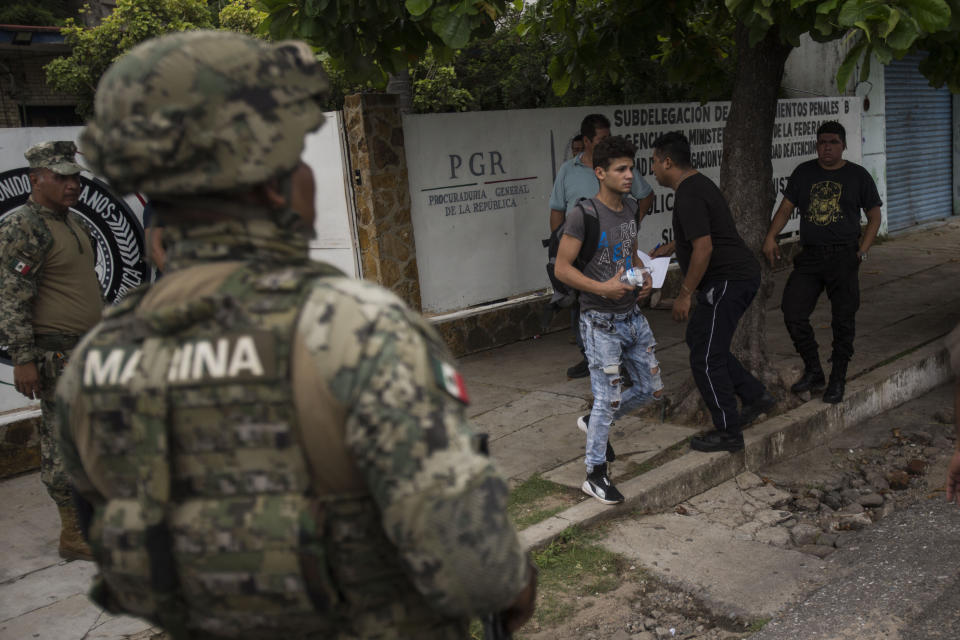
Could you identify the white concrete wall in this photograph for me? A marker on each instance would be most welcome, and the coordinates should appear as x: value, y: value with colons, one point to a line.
x: 811, y: 69
x: 480, y: 183
x: 873, y: 131
x: 335, y: 226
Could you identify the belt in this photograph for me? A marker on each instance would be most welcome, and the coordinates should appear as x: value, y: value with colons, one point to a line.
x: 829, y: 248
x: 56, y: 341
x: 616, y: 316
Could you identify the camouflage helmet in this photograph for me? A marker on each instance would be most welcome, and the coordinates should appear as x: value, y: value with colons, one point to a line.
x: 57, y: 155
x: 203, y: 111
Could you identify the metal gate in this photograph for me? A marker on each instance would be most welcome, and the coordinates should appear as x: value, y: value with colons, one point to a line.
x: 919, y: 146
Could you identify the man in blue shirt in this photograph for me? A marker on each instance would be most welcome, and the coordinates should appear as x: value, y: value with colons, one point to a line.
x: 575, y: 180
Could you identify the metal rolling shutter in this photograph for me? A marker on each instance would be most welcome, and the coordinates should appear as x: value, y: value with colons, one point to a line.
x: 919, y: 146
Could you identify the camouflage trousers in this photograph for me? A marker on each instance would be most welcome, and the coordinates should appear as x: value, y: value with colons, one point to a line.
x: 50, y: 367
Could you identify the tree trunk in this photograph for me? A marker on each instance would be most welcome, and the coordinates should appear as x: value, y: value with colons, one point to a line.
x: 746, y: 176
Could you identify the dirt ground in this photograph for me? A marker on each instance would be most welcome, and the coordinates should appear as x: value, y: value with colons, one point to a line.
x: 635, y: 606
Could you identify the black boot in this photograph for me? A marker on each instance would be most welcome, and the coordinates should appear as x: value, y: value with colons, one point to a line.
x: 838, y: 379
x: 812, y: 378
x: 579, y: 370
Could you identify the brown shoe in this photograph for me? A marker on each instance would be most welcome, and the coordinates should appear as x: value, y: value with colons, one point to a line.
x: 72, y: 544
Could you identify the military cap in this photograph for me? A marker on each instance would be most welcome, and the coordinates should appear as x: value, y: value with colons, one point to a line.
x: 203, y: 112
x: 56, y: 155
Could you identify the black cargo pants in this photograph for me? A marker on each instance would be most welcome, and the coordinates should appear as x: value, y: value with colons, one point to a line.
x: 834, y: 268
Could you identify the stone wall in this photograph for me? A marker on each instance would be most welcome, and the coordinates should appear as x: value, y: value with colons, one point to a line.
x: 374, y: 130
x: 19, y: 442
x: 378, y: 163
x: 487, y: 329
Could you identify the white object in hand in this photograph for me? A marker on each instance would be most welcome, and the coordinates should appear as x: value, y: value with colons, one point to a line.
x: 635, y: 276
x: 658, y: 267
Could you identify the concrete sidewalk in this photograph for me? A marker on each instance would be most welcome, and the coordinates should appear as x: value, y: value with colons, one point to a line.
x: 522, y: 398
x: 909, y: 300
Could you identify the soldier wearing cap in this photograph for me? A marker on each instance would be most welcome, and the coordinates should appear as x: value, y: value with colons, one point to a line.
x: 269, y: 450
x: 51, y: 297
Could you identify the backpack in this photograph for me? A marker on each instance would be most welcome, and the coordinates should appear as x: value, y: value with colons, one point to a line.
x: 563, y: 295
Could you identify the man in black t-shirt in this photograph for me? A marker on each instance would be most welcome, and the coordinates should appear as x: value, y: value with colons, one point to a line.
x: 830, y: 193
x: 716, y: 262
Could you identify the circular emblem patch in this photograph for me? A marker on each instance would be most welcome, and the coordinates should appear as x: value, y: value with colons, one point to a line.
x: 114, y: 227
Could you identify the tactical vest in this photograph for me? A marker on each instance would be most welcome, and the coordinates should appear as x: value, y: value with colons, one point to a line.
x: 212, y: 529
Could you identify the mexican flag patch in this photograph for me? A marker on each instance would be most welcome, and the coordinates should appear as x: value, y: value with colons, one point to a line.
x: 21, y: 267
x: 450, y: 380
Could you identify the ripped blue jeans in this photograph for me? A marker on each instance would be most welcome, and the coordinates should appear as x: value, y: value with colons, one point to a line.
x: 608, y: 340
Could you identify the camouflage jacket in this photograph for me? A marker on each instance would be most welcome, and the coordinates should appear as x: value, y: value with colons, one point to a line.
x: 381, y: 416
x: 26, y: 242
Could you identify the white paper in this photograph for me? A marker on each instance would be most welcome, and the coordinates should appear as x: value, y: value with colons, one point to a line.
x: 658, y: 267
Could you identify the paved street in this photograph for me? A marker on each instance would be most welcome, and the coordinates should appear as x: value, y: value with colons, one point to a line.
x: 898, y: 579
x: 759, y: 548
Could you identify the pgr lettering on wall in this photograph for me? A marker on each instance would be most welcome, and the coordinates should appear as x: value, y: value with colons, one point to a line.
x: 480, y: 183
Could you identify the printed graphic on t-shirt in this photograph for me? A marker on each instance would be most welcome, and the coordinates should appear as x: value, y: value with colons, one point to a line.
x: 825, y: 203
x: 609, y: 258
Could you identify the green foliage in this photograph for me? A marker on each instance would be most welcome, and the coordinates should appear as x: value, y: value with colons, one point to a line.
x: 340, y: 84
x: 372, y: 38
x: 884, y: 30
x: 505, y: 70
x: 685, y: 53
x: 573, y: 566
x: 132, y: 22
x: 241, y: 16
x: 37, y: 12
x: 694, y: 38
x: 510, y: 69
x: 758, y: 625
x: 536, y: 499
x: 435, y: 88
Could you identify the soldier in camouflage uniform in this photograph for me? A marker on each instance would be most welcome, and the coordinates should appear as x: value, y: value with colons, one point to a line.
x: 51, y: 297
x: 270, y: 450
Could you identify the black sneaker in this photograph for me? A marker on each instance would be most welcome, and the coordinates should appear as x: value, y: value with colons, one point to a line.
x: 752, y: 411
x: 579, y: 370
x: 582, y: 424
x: 717, y: 441
x: 598, y: 485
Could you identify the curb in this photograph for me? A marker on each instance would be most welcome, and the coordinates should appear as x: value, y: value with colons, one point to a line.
x: 781, y: 437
